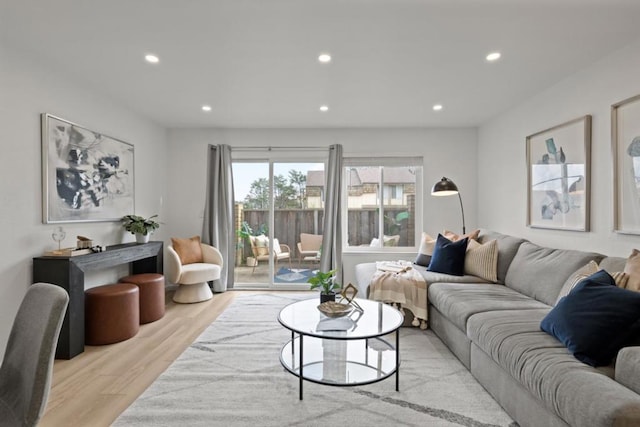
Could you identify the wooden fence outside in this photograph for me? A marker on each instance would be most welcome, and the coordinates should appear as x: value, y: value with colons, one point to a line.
x: 363, y: 225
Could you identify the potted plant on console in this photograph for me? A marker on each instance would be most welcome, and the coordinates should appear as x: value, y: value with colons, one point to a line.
x: 325, y: 281
x: 141, y: 227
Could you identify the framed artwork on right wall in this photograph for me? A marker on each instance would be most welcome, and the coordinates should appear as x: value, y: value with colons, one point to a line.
x: 558, y: 176
x: 625, y: 139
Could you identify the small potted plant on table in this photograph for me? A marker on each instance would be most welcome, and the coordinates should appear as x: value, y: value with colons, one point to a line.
x: 325, y: 281
x: 141, y: 227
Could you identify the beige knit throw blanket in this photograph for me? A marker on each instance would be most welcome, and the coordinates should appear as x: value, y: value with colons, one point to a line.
x: 397, y: 282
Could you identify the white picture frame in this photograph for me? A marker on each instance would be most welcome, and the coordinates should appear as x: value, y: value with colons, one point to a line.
x: 86, y: 176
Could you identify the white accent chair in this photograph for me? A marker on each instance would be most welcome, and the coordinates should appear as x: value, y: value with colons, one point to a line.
x: 192, y: 278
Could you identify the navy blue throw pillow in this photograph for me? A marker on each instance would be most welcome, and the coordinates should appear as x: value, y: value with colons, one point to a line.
x: 595, y: 320
x: 448, y: 256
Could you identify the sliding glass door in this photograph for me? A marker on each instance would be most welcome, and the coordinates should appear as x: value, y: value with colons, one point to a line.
x: 279, y: 212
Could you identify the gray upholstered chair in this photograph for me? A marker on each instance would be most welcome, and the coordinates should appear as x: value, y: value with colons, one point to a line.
x: 27, y: 367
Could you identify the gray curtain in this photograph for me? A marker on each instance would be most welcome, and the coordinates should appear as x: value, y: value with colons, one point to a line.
x: 332, y: 239
x: 217, y: 229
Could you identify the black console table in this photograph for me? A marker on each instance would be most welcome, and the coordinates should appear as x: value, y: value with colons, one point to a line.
x: 68, y: 272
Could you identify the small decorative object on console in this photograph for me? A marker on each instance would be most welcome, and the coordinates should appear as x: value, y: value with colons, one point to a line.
x: 84, y: 242
x: 58, y: 235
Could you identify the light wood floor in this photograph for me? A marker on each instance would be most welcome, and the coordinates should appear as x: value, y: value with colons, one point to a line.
x: 93, y: 388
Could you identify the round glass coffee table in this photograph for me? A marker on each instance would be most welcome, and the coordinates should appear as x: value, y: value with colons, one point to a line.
x: 346, y: 351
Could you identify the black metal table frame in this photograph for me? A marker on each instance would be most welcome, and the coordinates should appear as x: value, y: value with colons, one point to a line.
x: 301, y: 377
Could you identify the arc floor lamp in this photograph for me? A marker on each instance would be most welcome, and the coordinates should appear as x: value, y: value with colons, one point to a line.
x: 446, y: 187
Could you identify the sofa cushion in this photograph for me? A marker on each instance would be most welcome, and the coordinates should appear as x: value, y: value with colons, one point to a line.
x: 595, y: 319
x: 580, y: 394
x: 458, y: 301
x: 448, y: 256
x: 507, y: 248
x: 628, y: 368
x: 612, y: 263
x: 540, y: 272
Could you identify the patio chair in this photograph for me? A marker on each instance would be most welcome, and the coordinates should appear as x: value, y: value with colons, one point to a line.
x: 309, y: 246
x: 260, y: 249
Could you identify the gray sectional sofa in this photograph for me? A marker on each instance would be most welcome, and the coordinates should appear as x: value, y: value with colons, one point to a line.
x: 494, y: 329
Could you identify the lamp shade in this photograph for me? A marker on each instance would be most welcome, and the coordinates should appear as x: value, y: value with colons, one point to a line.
x: 444, y: 187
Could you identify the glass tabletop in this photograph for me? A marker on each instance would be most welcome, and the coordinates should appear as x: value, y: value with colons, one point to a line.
x: 374, y: 320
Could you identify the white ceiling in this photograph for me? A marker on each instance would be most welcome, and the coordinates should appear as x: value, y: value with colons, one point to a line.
x: 255, y: 61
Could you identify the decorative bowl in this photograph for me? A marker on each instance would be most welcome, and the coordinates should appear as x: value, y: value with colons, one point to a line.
x: 334, y: 309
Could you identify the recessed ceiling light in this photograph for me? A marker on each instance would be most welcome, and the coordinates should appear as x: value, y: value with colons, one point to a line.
x: 324, y: 108
x: 152, y: 59
x: 324, y: 58
x: 206, y: 108
x: 437, y: 107
x: 493, y: 56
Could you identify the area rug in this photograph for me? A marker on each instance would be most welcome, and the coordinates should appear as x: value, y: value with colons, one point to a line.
x: 231, y: 376
x: 286, y: 275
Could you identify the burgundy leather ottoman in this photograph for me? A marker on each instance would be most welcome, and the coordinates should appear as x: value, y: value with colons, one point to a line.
x: 111, y: 313
x: 152, y: 291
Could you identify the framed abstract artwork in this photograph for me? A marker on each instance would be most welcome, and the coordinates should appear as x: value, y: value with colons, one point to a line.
x: 625, y: 137
x: 86, y: 176
x: 558, y: 182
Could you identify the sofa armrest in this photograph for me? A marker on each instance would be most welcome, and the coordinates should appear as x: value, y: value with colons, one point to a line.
x: 628, y: 368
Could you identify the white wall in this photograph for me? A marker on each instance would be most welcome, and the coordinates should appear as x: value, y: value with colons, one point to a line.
x: 28, y: 88
x: 502, y: 175
x: 446, y: 152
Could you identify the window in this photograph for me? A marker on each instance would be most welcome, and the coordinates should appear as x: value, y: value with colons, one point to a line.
x: 383, y: 198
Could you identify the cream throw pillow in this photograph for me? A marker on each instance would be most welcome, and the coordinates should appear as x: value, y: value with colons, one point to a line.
x: 632, y: 268
x: 592, y: 267
x: 276, y: 247
x: 427, y: 244
x: 455, y: 237
x: 262, y: 245
x: 576, y: 277
x: 621, y: 278
x: 481, y: 260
